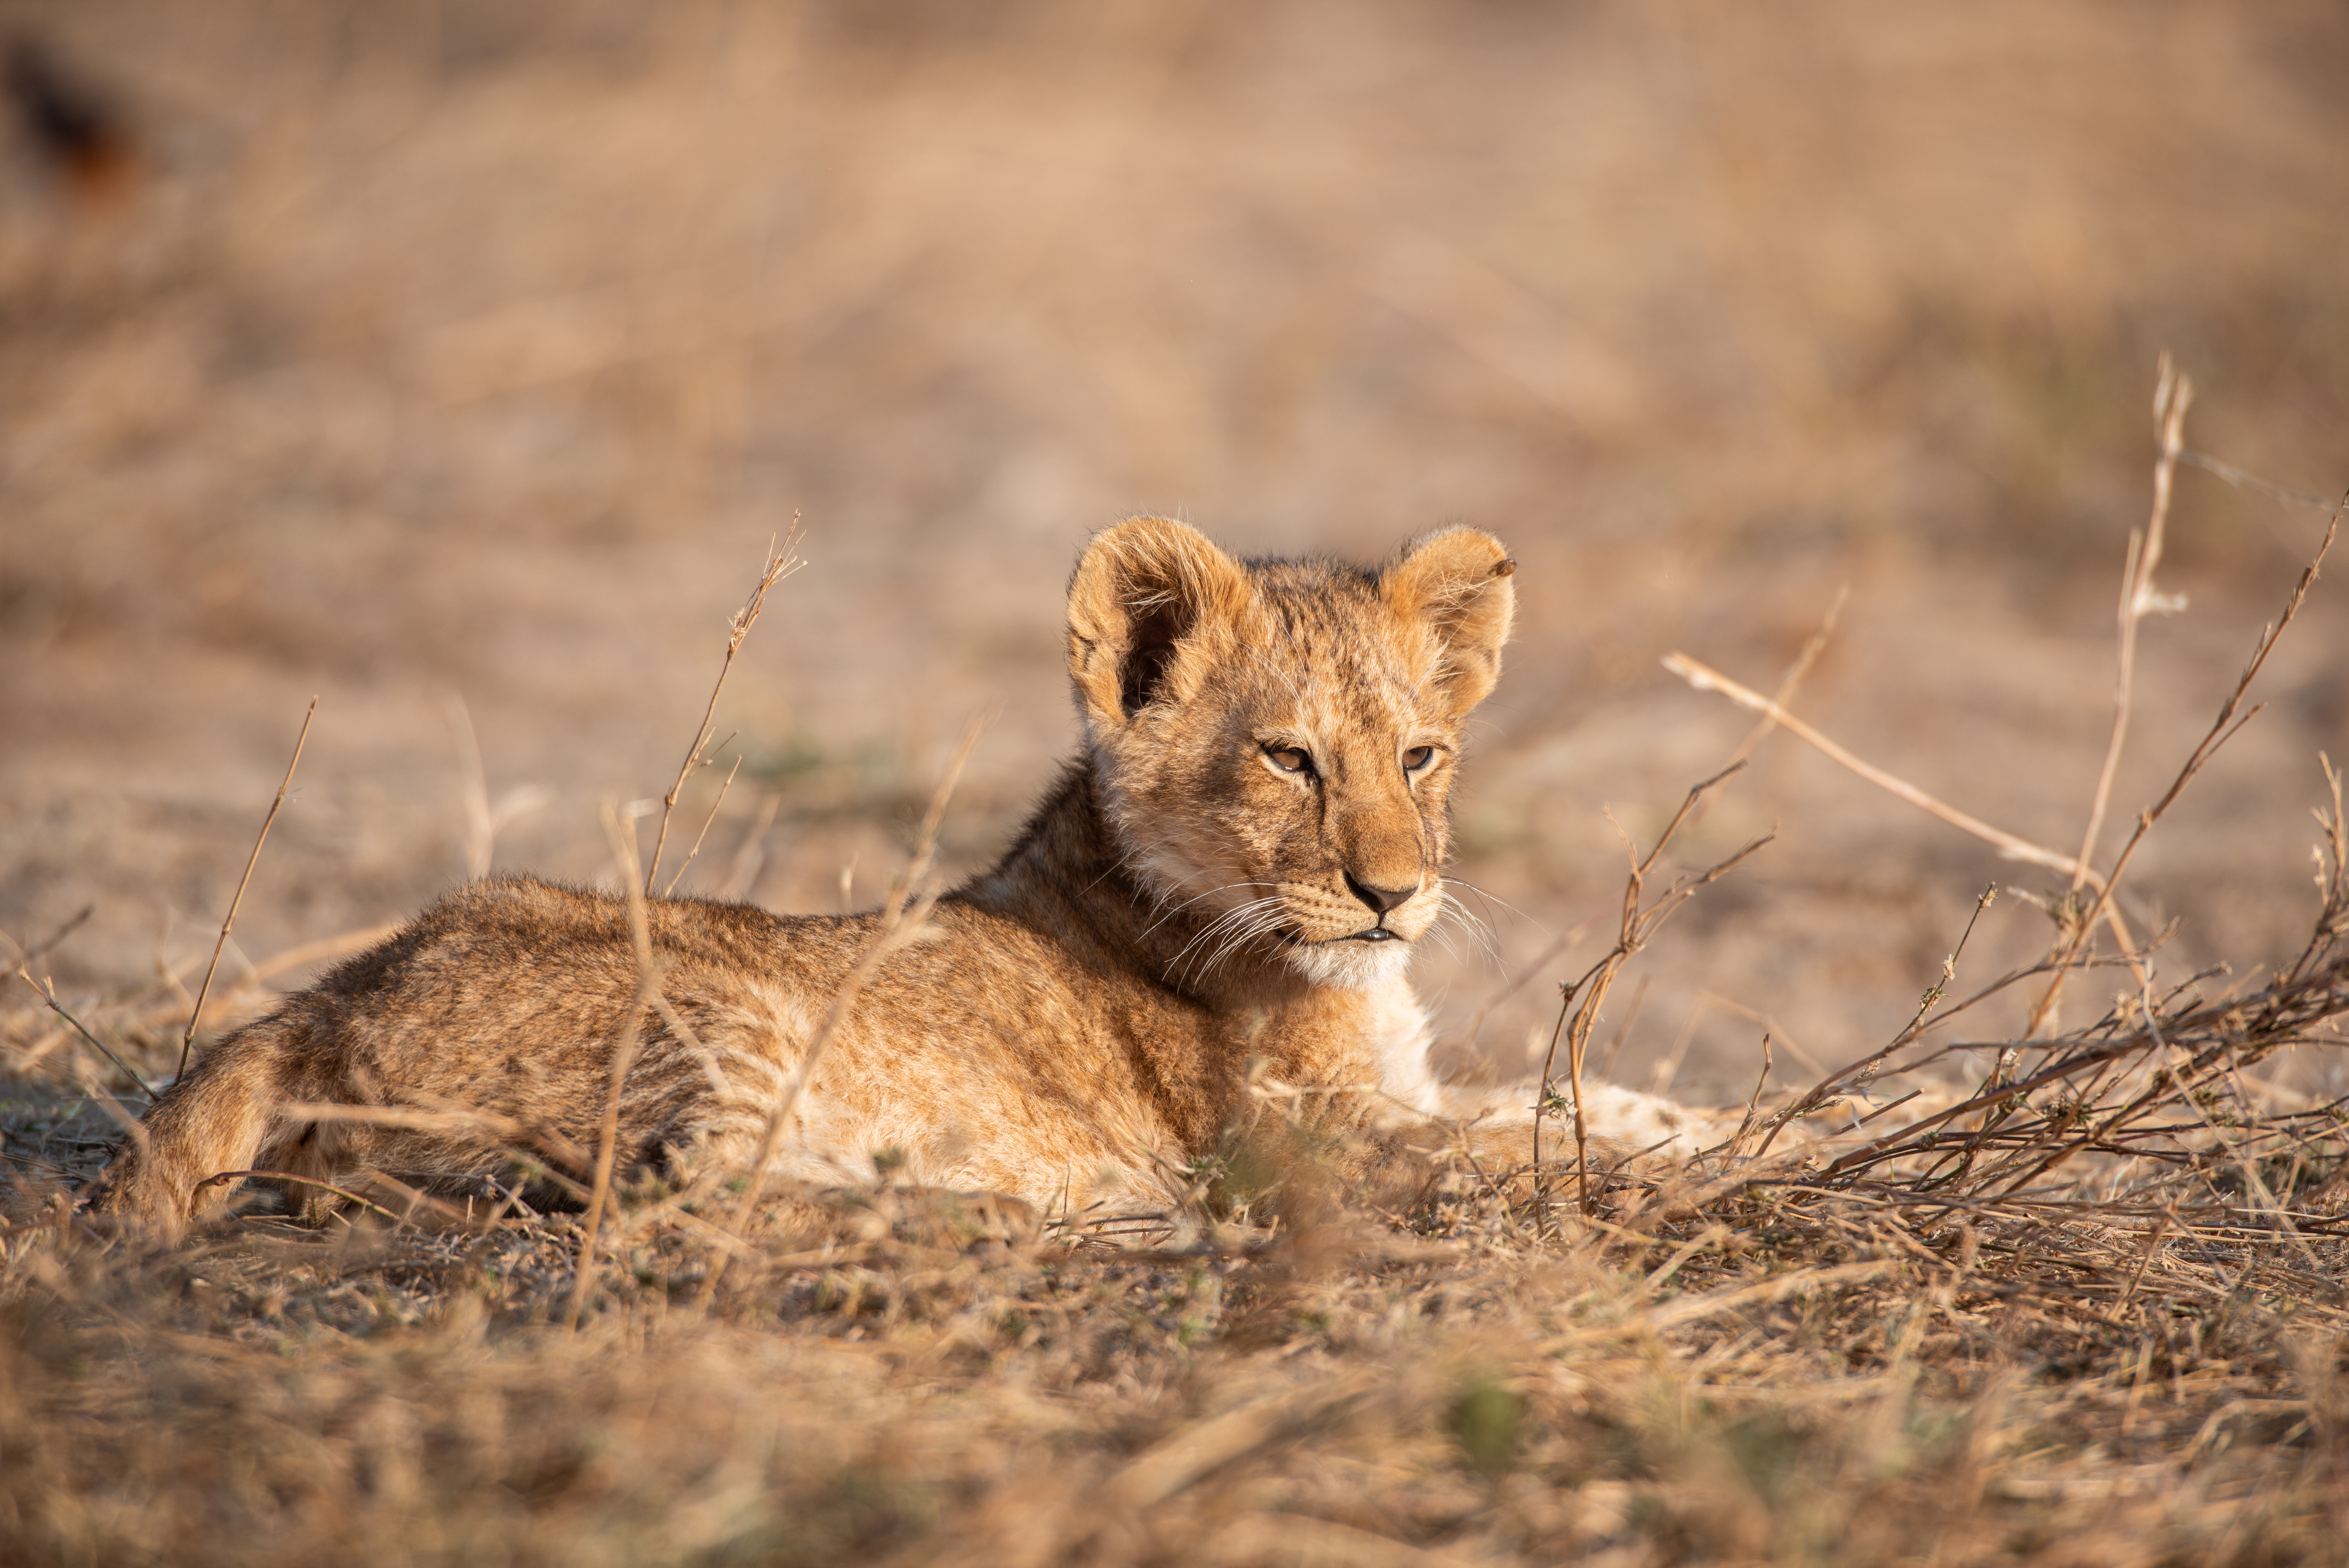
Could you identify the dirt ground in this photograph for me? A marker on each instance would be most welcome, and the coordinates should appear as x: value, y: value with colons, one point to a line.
x: 456, y: 362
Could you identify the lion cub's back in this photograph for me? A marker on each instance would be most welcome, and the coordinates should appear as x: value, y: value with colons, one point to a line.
x: 512, y: 975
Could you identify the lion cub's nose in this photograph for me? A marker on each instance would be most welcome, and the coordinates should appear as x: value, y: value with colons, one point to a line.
x: 1381, y: 899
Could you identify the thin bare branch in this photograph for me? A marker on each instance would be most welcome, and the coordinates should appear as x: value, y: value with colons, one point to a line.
x: 696, y: 849
x: 2172, y: 395
x: 1704, y: 677
x: 1870, y: 1065
x: 1580, y: 1000
x: 2222, y: 729
x: 623, y: 838
x: 49, y: 944
x: 2243, y: 479
x: 781, y: 562
x: 195, y: 1014
x: 222, y: 1178
x: 907, y: 909
x: 48, y: 992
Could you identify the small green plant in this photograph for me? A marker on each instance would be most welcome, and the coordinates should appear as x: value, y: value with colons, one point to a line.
x: 1487, y: 1420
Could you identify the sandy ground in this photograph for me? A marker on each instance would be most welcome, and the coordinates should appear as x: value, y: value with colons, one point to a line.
x: 431, y: 355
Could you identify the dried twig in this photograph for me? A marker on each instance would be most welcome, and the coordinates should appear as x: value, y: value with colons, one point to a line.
x: 188, y: 1040
x: 623, y: 837
x: 1638, y: 923
x: 2222, y: 729
x: 696, y: 849
x: 49, y: 944
x: 2173, y: 392
x: 48, y: 994
x: 781, y: 563
x: 2172, y: 395
x: 222, y: 1179
x: 904, y: 912
x: 2200, y: 1048
x: 748, y: 857
x: 2243, y: 479
x: 1745, y: 1122
x: 1855, y: 1074
x: 1704, y: 677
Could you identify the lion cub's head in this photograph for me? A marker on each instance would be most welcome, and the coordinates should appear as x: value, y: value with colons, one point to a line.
x: 1275, y: 739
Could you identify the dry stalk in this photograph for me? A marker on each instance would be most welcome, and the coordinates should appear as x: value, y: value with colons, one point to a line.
x: 742, y: 874
x: 1704, y: 677
x: 2172, y: 395
x: 28, y: 956
x: 48, y: 992
x: 1789, y: 684
x: 781, y: 563
x: 2104, y: 1086
x: 1870, y: 1065
x: 2242, y: 479
x: 1580, y: 1000
x: 696, y: 849
x: 907, y: 908
x: 2222, y: 729
x: 195, y: 1014
x: 1745, y: 1122
x: 2202, y: 1047
x: 624, y: 1055
x: 221, y: 1178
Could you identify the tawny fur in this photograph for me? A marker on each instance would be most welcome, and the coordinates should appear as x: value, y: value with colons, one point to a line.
x: 1223, y: 890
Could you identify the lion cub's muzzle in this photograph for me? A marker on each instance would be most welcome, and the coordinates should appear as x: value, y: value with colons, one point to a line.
x: 1397, y: 913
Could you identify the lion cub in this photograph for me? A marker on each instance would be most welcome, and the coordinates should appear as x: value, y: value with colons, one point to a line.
x: 1227, y: 881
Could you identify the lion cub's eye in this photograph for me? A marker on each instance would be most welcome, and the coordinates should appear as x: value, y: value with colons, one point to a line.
x: 1417, y: 758
x: 1290, y: 758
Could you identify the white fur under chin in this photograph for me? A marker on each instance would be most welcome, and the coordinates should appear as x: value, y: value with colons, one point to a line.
x: 1402, y: 1035
x: 1349, y: 964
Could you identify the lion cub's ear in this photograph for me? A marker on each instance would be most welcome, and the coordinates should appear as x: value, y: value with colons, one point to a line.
x: 1141, y: 588
x: 1456, y: 582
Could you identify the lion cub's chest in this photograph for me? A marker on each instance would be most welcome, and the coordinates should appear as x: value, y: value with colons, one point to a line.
x: 1075, y: 1089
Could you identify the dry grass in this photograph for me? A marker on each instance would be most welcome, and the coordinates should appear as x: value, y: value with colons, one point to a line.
x: 2089, y: 1311
x: 1884, y: 1359
x: 358, y: 386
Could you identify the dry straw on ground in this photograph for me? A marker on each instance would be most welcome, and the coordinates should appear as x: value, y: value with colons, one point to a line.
x: 2088, y: 1310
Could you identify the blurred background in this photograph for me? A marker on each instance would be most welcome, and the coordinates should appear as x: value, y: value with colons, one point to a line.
x: 457, y: 362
